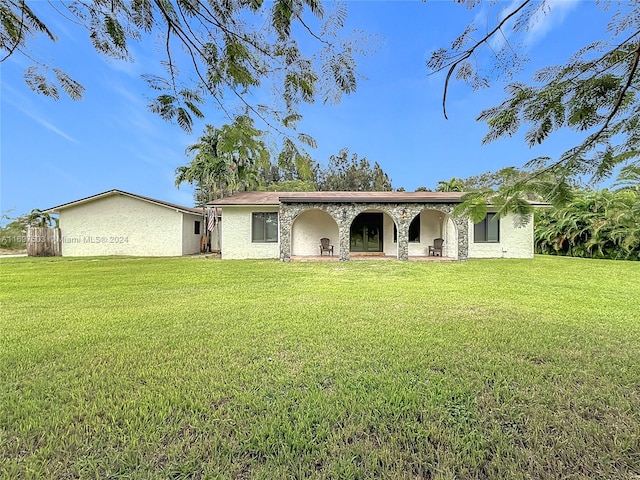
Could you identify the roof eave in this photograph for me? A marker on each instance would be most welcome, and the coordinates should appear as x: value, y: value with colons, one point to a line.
x: 368, y: 200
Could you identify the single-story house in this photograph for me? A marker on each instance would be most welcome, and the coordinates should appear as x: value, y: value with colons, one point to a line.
x: 122, y: 223
x: 398, y: 224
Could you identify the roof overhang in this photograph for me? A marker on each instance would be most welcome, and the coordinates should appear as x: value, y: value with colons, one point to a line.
x: 274, y: 199
x: 262, y: 199
x: 369, y: 199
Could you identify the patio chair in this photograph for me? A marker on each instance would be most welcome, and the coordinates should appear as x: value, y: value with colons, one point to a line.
x: 436, y: 248
x: 325, y: 246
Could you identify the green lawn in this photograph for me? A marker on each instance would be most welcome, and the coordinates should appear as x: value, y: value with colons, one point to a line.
x: 193, y: 368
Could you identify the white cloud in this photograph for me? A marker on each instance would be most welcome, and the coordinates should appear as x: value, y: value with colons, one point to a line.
x: 21, y: 103
x: 50, y: 126
x: 546, y: 19
x: 550, y: 15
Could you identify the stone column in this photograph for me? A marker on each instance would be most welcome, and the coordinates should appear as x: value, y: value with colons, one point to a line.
x: 463, y: 237
x: 403, y: 239
x: 284, y: 227
x: 343, y: 219
x: 344, y: 238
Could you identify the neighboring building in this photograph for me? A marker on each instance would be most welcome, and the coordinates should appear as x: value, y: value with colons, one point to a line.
x: 121, y: 223
x: 399, y: 224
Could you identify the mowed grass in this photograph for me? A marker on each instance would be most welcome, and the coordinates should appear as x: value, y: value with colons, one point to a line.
x: 192, y: 368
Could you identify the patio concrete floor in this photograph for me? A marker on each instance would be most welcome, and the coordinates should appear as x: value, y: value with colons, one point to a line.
x: 356, y: 256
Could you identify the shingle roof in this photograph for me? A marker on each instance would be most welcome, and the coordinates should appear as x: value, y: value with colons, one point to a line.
x: 121, y: 192
x: 275, y: 198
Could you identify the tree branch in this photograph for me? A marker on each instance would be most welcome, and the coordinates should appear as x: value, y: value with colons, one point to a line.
x: 590, y: 143
x: 467, y: 53
x: 20, y: 33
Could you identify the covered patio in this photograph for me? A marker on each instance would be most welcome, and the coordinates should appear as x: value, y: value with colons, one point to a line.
x: 380, y: 225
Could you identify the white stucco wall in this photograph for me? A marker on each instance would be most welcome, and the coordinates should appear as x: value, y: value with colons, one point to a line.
x: 121, y: 225
x: 216, y: 242
x: 515, y: 241
x: 308, y: 228
x: 236, y: 235
x: 389, y: 247
x: 430, y: 228
x: 450, y: 246
x: 191, y: 241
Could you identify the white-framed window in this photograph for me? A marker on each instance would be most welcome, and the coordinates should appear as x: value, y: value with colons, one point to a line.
x: 264, y: 227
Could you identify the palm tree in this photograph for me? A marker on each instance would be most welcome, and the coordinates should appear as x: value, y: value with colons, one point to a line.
x: 37, y: 218
x: 208, y: 172
x: 453, y: 185
x: 224, y: 160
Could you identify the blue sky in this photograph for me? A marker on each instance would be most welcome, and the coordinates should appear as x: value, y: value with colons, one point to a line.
x: 56, y: 152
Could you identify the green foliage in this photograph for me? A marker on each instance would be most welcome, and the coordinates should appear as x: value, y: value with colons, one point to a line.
x: 38, y: 218
x: 453, y: 185
x: 494, y: 180
x: 290, y: 186
x: 139, y: 368
x: 18, y: 23
x: 171, y: 108
x: 294, y: 163
x: 215, y: 51
x: 235, y: 157
x: 512, y: 190
x: 594, y: 92
x: 225, y: 160
x: 354, y: 174
x: 13, y: 232
x: 595, y: 224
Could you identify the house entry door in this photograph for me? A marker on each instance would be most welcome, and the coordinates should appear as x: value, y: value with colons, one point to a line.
x: 366, y: 232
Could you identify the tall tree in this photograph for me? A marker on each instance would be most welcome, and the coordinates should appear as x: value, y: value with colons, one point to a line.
x: 453, y: 185
x: 214, y: 50
x: 224, y: 160
x: 345, y: 173
x: 208, y: 172
x: 595, y: 93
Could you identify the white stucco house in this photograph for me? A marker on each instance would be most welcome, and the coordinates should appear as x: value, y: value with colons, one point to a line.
x: 122, y: 223
x: 393, y: 224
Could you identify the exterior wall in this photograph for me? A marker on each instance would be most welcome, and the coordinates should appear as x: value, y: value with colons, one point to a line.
x: 120, y: 225
x: 191, y: 241
x: 216, y: 242
x: 307, y: 230
x: 515, y: 241
x: 236, y: 234
x: 450, y: 246
x: 389, y: 247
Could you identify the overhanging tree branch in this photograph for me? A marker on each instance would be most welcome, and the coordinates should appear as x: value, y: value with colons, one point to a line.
x: 585, y: 147
x: 461, y: 57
